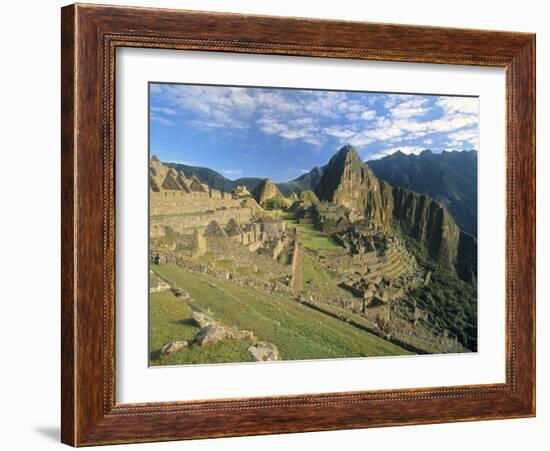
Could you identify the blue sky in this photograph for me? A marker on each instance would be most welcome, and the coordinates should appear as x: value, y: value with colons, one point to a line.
x: 283, y: 133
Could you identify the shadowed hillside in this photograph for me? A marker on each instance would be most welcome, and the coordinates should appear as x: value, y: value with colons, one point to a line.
x: 448, y: 177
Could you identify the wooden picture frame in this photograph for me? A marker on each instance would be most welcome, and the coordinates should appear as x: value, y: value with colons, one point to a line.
x: 90, y: 36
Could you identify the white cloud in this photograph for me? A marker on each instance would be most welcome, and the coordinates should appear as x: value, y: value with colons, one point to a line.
x: 164, y: 110
x: 314, y: 140
x: 463, y: 140
x: 339, y: 132
x: 315, y: 117
x: 414, y: 106
x: 391, y: 100
x: 368, y: 115
x: 465, y: 135
x: 458, y: 105
x: 161, y: 120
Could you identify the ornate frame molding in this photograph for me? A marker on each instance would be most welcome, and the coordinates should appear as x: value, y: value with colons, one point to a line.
x: 90, y: 36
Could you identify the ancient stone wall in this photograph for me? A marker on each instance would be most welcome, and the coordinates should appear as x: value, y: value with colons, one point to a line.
x: 216, y: 194
x: 183, y: 223
x: 173, y: 202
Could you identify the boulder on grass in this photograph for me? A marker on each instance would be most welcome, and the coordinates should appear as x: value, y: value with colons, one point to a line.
x: 202, y: 319
x: 169, y: 348
x: 209, y: 335
x: 181, y: 294
x: 236, y: 334
x: 160, y: 286
x: 264, y: 352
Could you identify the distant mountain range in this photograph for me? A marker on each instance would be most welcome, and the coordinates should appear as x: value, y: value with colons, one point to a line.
x: 448, y: 177
x: 349, y: 182
x: 306, y: 182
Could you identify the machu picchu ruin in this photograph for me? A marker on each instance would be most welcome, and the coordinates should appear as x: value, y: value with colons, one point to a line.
x: 289, y: 223
x: 354, y: 253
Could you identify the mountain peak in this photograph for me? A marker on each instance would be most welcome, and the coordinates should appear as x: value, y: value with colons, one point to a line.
x: 348, y: 152
x: 349, y: 183
x: 449, y: 177
x: 267, y: 191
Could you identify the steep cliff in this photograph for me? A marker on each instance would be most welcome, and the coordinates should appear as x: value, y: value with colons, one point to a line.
x: 432, y: 226
x: 348, y: 182
x: 448, y: 177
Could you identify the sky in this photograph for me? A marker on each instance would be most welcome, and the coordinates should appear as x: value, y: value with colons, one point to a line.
x: 283, y: 133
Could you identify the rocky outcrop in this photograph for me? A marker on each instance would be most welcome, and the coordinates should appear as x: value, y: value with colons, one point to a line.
x: 197, y: 186
x: 448, y: 177
x: 202, y: 319
x: 181, y: 294
x: 466, y: 259
x: 160, y: 286
x: 216, y: 333
x: 309, y: 197
x: 169, y: 348
x: 348, y: 182
x: 157, y: 174
x: 267, y: 192
x: 431, y: 224
x: 209, y: 335
x: 264, y: 352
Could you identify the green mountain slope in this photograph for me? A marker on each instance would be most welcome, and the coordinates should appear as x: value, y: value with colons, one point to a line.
x: 214, y: 179
x: 306, y: 182
x: 298, y: 331
x: 350, y: 183
x: 448, y: 177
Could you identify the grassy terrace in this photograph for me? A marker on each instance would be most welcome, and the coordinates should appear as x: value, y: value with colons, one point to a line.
x: 229, y: 265
x: 311, y: 238
x: 298, y: 331
x: 317, y: 278
x: 314, y: 276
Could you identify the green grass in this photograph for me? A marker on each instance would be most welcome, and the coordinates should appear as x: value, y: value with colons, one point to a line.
x: 315, y: 277
x: 170, y: 320
x: 311, y: 238
x: 228, y: 265
x: 316, y: 240
x: 298, y: 331
x: 245, y: 270
x: 168, y: 317
x: 288, y: 216
x: 210, y: 258
x: 153, y: 279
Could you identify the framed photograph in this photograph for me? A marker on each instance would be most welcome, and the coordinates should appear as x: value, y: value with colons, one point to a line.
x: 279, y: 225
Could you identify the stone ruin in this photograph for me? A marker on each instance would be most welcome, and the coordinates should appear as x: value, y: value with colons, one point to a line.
x: 189, y: 218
